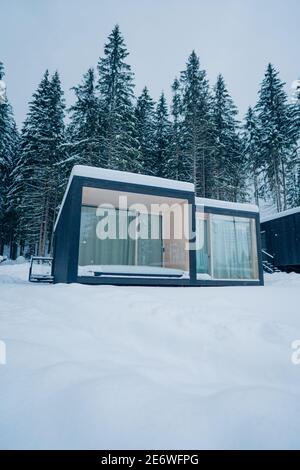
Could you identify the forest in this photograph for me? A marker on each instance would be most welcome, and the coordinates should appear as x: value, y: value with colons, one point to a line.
x: 197, y: 137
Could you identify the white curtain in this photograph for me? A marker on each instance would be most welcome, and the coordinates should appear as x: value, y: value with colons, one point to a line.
x: 141, y: 252
x: 150, y: 251
x: 202, y: 260
x: 232, y: 248
x: 94, y: 251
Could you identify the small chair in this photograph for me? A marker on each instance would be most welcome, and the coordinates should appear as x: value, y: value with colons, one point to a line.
x: 40, y: 269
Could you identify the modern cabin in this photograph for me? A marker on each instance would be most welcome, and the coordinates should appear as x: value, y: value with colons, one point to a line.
x: 128, y: 229
x: 280, y: 235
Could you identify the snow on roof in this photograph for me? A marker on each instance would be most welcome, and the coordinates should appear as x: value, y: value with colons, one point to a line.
x: 238, y: 206
x: 124, y: 177
x: 279, y: 215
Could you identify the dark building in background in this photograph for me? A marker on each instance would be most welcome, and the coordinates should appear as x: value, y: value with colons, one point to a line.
x: 281, y: 239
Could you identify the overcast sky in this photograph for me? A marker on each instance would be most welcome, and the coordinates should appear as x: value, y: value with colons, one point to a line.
x: 234, y: 37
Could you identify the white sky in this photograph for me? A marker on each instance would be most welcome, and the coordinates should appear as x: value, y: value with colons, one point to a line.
x: 235, y: 37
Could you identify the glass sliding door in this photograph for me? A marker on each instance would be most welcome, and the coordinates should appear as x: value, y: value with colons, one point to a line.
x: 94, y: 251
x: 234, y: 250
x: 226, y: 247
x: 144, y: 238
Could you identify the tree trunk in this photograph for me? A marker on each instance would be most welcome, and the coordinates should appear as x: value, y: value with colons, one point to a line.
x: 284, y: 185
x: 256, y: 189
x: 44, y: 229
x: 277, y: 186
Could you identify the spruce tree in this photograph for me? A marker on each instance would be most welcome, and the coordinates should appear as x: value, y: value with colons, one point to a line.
x: 251, y: 143
x: 175, y: 163
x: 8, y: 160
x: 277, y: 136
x: 145, y: 127
x: 196, y: 126
x: 161, y: 137
x: 293, y: 166
x: 228, y: 171
x: 115, y: 85
x: 84, y: 131
x: 42, y: 151
x: 293, y: 179
x: 295, y: 98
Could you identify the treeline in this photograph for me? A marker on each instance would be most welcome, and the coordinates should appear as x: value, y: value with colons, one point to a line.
x: 198, y: 139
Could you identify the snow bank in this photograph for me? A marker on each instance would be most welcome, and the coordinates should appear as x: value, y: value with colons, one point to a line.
x: 137, y: 367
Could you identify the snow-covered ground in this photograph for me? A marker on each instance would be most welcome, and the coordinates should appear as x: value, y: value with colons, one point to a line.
x: 117, y: 367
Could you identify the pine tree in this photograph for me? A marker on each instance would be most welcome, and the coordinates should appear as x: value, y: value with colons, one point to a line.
x: 115, y: 85
x: 277, y: 136
x: 84, y: 131
x: 13, y: 198
x: 145, y: 126
x: 251, y: 142
x: 162, y: 137
x: 295, y: 98
x: 175, y: 164
x: 42, y: 151
x: 293, y: 179
x: 228, y: 172
x: 8, y: 159
x: 196, y: 126
x: 293, y: 166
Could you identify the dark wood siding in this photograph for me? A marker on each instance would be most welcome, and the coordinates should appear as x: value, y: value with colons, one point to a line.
x: 282, y: 240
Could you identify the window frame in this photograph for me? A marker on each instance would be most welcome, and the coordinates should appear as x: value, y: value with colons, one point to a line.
x: 209, y: 210
x: 137, y: 279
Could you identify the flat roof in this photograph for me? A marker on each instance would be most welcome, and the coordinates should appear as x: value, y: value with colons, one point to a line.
x: 123, y: 177
x: 279, y: 215
x: 146, y: 180
x: 127, y: 177
x: 238, y: 206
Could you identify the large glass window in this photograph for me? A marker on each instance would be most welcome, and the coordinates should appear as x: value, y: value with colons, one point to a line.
x: 109, y: 250
x: 229, y: 249
x: 146, y: 238
x: 202, y: 253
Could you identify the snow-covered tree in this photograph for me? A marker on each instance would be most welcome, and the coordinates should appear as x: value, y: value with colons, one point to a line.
x: 196, y: 126
x: 293, y: 179
x: 84, y: 132
x: 228, y: 172
x: 42, y: 151
x: 145, y: 127
x: 295, y: 98
x: 2, y: 85
x: 175, y: 162
x: 161, y: 137
x: 293, y: 166
x: 115, y: 85
x: 8, y: 160
x: 251, y: 143
x: 278, y: 134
